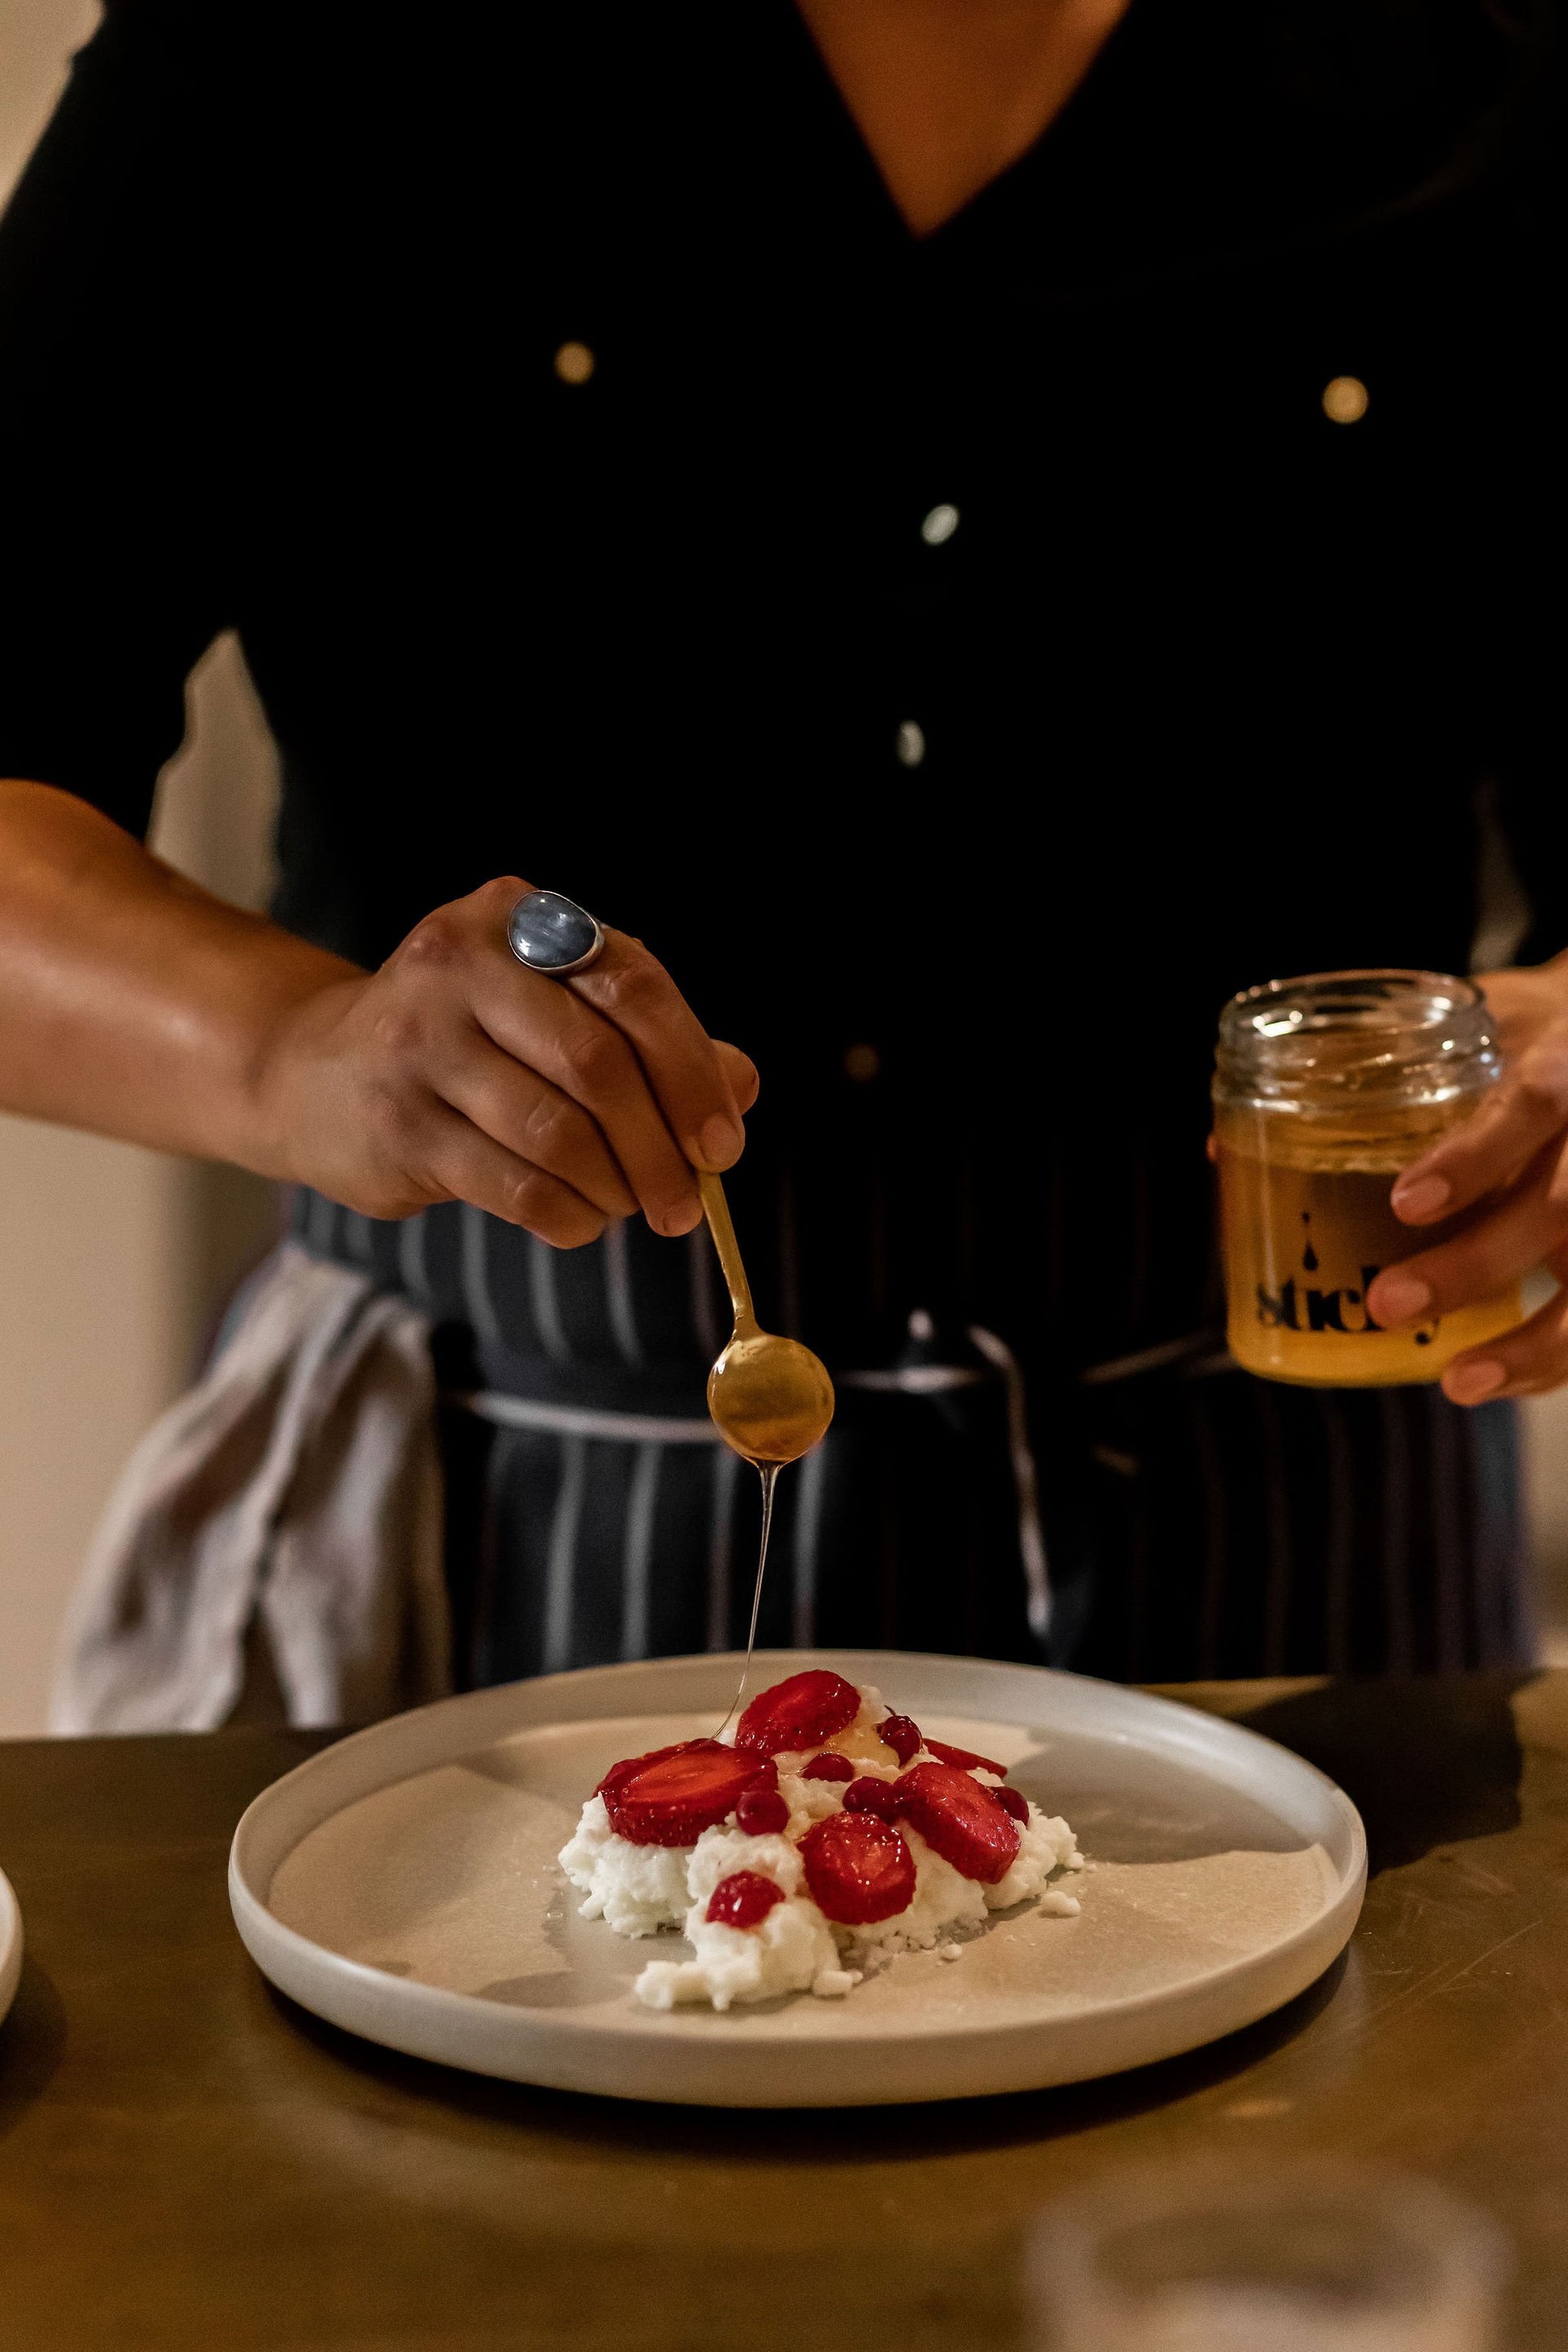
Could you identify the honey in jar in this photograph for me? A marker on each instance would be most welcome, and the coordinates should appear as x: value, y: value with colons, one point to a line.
x: 1324, y: 1088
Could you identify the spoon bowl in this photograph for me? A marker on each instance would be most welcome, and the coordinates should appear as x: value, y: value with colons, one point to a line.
x: 771, y: 1398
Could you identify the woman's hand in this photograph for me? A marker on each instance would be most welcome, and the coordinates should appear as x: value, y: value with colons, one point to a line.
x: 136, y: 1004
x: 455, y: 1073
x: 1509, y: 1164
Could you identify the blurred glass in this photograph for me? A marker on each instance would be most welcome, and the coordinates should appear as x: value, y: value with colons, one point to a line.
x: 1261, y: 2260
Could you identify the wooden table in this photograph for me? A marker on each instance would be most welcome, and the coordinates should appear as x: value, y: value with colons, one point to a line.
x: 189, y: 2163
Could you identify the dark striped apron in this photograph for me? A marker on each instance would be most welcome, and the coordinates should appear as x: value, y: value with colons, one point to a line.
x: 1156, y: 1518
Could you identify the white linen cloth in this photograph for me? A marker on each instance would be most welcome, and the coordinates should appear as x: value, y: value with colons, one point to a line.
x: 279, y: 1529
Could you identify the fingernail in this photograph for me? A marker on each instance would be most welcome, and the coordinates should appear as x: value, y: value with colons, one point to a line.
x: 1422, y: 1196
x: 1468, y: 1383
x: 684, y: 1220
x: 1400, y: 1299
x: 720, y: 1143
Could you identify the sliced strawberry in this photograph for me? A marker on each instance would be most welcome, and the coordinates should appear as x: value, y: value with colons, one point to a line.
x: 901, y: 1734
x: 960, y: 1818
x: 1014, y: 1802
x: 743, y: 1900
x: 966, y: 1758
x: 801, y: 1712
x: 761, y: 1811
x: 671, y: 1796
x: 858, y: 1869
x: 869, y: 1795
x: 831, y: 1767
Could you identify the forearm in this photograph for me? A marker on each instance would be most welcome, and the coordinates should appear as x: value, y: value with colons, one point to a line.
x: 132, y: 1002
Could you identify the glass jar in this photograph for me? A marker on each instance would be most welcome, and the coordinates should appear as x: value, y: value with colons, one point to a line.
x: 1242, y: 2255
x: 1324, y: 1088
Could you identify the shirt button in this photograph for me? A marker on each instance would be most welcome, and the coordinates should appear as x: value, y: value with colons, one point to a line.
x: 911, y: 744
x: 1344, y: 400
x: 939, y: 525
x: 862, y: 1063
x: 575, y: 362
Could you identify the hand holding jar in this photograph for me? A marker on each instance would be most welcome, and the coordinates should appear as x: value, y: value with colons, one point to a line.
x: 1502, y: 1174
x: 1333, y: 1093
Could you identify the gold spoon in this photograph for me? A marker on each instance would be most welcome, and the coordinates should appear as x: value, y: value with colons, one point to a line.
x: 770, y: 1399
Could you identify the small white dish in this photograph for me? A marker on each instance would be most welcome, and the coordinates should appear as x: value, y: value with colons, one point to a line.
x: 10, y: 1945
x: 403, y: 1885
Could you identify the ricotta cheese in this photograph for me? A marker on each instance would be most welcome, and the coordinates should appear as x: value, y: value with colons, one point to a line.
x: 635, y: 1889
x: 793, y: 1950
x: 638, y: 1890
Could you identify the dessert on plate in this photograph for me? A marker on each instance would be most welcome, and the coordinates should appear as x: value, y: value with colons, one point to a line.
x: 826, y: 1834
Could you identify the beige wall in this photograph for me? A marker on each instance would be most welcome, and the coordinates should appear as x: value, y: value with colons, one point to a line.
x: 90, y: 1348
x: 112, y: 1259
x: 37, y: 37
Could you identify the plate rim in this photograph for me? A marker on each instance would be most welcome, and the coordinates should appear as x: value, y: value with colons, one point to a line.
x: 11, y: 1944
x: 270, y: 1941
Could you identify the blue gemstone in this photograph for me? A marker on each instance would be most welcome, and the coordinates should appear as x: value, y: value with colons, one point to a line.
x: 548, y: 933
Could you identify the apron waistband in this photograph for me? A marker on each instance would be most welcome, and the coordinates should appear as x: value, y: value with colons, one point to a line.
x: 560, y: 1419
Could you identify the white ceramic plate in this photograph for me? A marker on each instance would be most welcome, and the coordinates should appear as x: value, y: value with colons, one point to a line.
x: 10, y: 1945
x: 403, y: 1885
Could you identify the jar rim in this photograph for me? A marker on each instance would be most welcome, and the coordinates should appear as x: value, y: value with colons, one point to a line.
x: 1377, y: 1029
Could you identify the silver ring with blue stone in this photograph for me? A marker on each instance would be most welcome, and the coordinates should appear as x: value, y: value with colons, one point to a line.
x: 552, y: 934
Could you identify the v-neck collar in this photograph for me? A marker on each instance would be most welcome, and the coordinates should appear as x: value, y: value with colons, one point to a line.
x: 1098, y: 85
x: 1193, y: 136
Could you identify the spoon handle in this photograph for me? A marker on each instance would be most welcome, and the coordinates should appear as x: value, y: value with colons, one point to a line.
x: 717, y: 1211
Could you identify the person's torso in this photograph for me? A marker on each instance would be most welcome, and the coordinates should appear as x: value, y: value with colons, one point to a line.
x: 964, y: 662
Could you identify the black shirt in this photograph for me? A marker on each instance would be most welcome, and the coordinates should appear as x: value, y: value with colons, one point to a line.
x: 982, y: 649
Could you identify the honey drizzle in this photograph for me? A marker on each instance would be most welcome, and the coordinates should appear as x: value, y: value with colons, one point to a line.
x: 722, y: 1226
x: 768, y: 1473
x: 748, y: 1332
